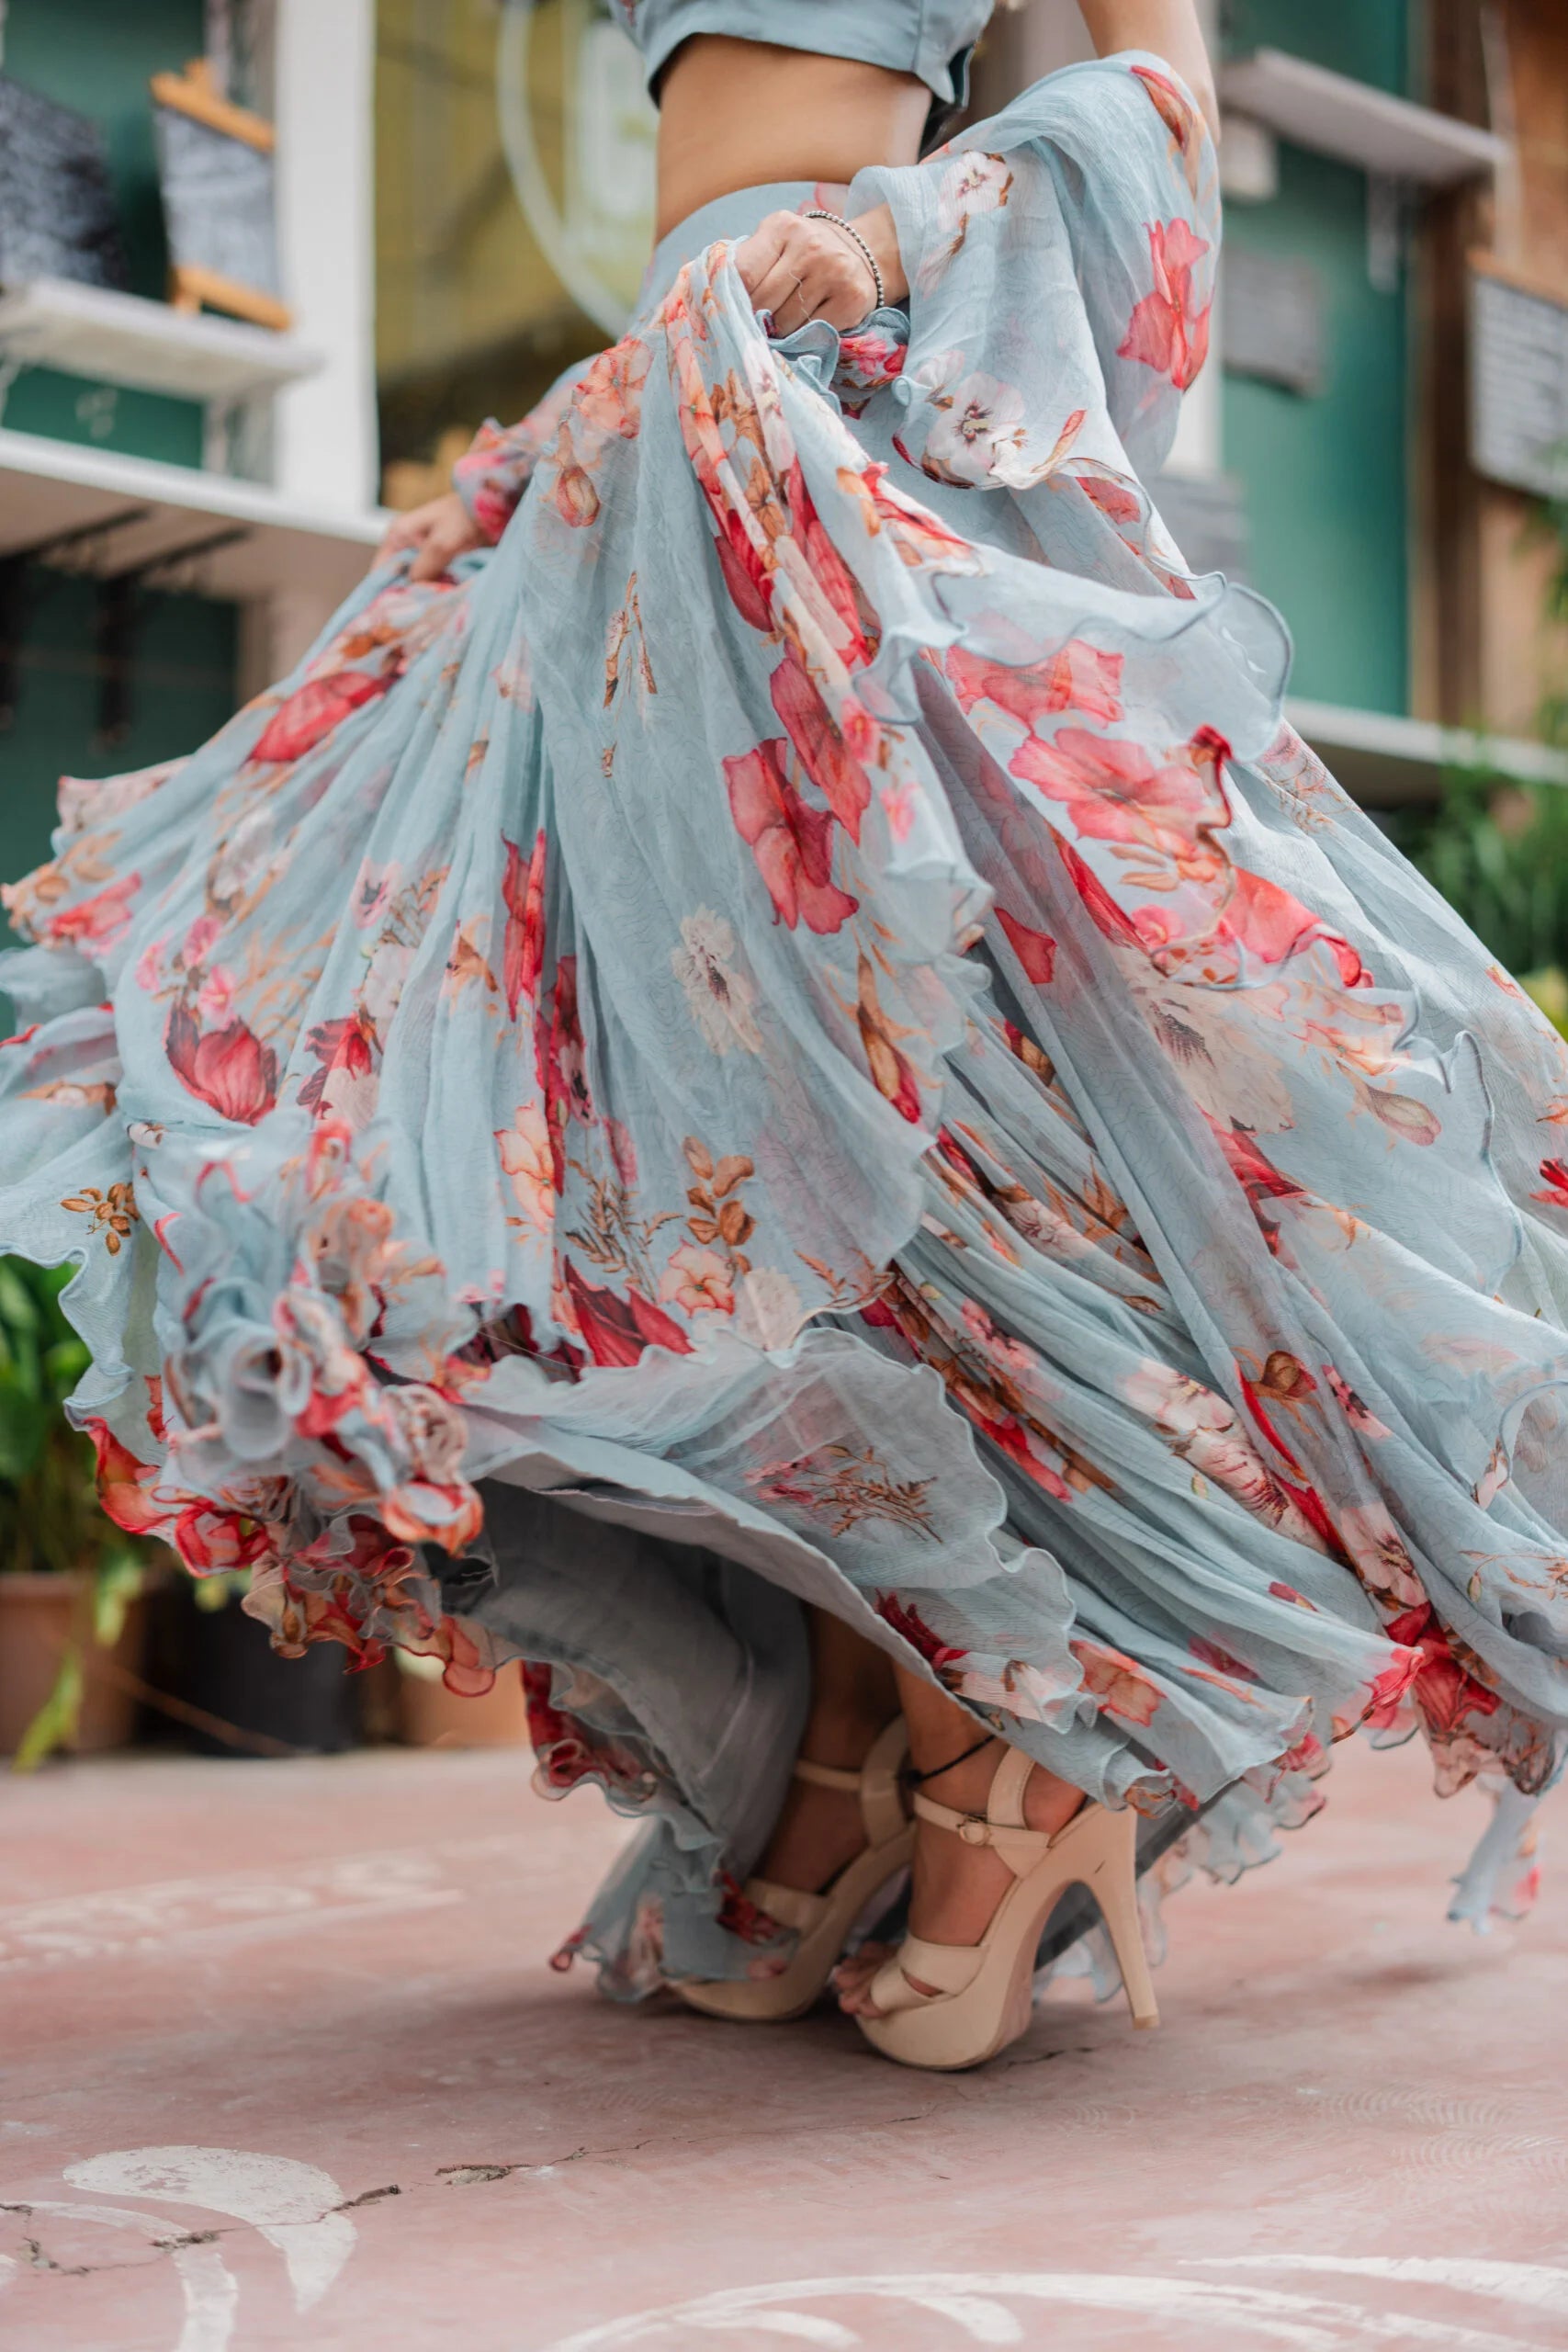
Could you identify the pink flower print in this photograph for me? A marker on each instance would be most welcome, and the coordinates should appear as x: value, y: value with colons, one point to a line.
x: 216, y: 999
x: 99, y: 921
x: 623, y: 1151
x: 1079, y: 678
x: 1168, y: 333
x: 1113, y: 791
x: 528, y: 1163
x: 229, y: 1068
x: 608, y: 399
x: 698, y: 1280
x: 791, y: 842
x: 1272, y: 925
x: 199, y: 941
x: 1116, y: 1681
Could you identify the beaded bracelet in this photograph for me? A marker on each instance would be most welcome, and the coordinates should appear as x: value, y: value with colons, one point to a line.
x: 838, y: 222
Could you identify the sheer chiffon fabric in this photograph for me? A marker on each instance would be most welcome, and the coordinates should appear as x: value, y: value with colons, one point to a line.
x: 801, y: 1030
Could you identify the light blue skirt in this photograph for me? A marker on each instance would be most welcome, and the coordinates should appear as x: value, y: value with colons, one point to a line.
x: 801, y: 1032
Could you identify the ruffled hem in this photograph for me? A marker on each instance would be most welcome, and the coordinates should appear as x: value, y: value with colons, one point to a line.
x: 893, y: 1070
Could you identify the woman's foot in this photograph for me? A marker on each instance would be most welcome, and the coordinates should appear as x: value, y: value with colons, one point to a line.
x: 822, y: 1829
x: 957, y: 1886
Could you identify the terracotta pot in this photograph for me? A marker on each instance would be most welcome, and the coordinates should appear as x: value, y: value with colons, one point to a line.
x: 38, y: 1616
x: 429, y: 1715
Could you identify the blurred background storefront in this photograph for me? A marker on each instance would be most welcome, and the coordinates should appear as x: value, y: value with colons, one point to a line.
x: 450, y: 200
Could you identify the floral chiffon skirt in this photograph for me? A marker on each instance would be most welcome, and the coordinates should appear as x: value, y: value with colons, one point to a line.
x: 799, y: 1031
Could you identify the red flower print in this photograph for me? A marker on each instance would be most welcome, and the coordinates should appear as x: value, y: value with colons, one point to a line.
x: 907, y: 1620
x: 1219, y: 1661
x: 314, y: 709
x: 1556, y: 1178
x: 827, y: 567
x: 1166, y: 333
x: 745, y: 1918
x: 209, y: 1539
x: 1258, y: 1177
x: 1034, y: 949
x: 125, y: 1484
x: 1079, y: 678
x: 230, y: 1068
x: 524, y: 899
x: 1116, y: 1681
x: 1103, y: 909
x: 562, y: 1058
x: 99, y: 921
x: 746, y: 576
x: 615, y: 1330
x: 1443, y: 1688
x: 345, y: 1047
x: 791, y: 842
x: 826, y: 759
x: 892, y: 1073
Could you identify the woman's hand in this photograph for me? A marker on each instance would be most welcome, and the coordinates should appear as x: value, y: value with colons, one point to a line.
x: 798, y: 269
x: 439, y: 532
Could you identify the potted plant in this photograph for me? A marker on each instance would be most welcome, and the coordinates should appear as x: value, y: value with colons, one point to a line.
x: 70, y: 1582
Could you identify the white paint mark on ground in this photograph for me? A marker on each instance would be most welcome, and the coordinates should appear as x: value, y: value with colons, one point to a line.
x: 211, y: 2293
x: 1529, y: 2284
x: 288, y: 2202
x: 979, y: 2309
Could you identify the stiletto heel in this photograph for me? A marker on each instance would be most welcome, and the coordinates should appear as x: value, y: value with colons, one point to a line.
x: 822, y: 1921
x: 984, y: 1992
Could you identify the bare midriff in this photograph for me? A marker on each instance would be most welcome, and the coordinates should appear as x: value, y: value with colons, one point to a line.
x: 738, y: 114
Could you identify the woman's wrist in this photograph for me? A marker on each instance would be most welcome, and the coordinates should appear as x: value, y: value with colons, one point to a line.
x: 881, y: 234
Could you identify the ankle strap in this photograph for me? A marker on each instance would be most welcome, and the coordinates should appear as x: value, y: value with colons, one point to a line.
x: 1019, y: 1849
x: 875, y: 1784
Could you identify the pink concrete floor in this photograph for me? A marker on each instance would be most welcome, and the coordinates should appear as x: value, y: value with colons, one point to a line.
x: 283, y: 2067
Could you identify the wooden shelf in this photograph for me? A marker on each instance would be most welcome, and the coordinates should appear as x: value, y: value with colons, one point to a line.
x: 1388, y: 137
x: 242, y: 539
x: 146, y: 346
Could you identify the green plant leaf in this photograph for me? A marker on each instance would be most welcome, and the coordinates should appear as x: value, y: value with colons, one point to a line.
x: 27, y: 1420
x: 116, y: 1580
x: 55, y: 1725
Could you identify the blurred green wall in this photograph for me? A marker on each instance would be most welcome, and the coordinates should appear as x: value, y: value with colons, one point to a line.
x: 97, y: 56
x: 1327, y: 475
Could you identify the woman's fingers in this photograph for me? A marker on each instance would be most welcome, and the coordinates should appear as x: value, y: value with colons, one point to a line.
x: 406, y: 532
x: 761, y: 249
x: 800, y: 269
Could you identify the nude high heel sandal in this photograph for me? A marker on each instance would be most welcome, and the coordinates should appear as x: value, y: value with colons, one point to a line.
x: 822, y: 1921
x: 985, y: 1990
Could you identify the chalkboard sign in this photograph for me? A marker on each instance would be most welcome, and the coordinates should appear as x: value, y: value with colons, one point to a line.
x: 1519, y: 379
x: 215, y: 165
x: 57, y: 217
